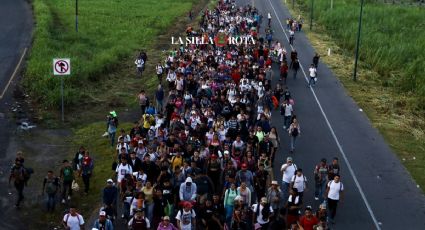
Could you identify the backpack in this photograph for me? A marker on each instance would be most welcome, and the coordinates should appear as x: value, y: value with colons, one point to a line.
x: 19, y: 173
x: 340, y: 185
x: 294, y: 132
x: 68, y: 174
x: 265, y: 212
x: 139, y: 224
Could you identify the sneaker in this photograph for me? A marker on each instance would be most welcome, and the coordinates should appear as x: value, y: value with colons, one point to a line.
x: 69, y: 197
x: 316, y: 198
x: 63, y: 201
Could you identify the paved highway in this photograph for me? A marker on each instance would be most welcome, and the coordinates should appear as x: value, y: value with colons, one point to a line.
x: 379, y: 192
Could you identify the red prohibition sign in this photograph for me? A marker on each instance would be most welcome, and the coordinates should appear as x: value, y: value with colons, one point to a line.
x: 61, y: 66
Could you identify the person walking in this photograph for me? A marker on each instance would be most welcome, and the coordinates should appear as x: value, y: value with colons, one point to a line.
x: 229, y: 197
x: 159, y: 72
x: 18, y: 174
x: 283, y: 72
x: 287, y: 111
x: 67, y: 176
x: 313, y: 75
x: 103, y: 222
x: 261, y: 213
x: 87, y: 166
x: 50, y: 188
x: 140, y: 65
x: 143, y: 101
x: 288, y: 170
x: 334, y: 194
x: 73, y: 220
x: 294, y: 132
x: 316, y: 60
x: 166, y: 224
x: 291, y: 36
x: 111, y: 126
x: 109, y: 197
x: 299, y: 182
x: 321, y: 179
x: 274, y: 196
x: 334, y: 168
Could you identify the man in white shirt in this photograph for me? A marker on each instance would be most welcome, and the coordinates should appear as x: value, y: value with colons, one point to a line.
x: 186, y: 217
x: 313, y: 74
x: 288, y: 170
x: 287, y: 114
x: 299, y: 181
x: 123, y: 169
x: 257, y: 213
x: 73, y: 220
x: 334, y: 193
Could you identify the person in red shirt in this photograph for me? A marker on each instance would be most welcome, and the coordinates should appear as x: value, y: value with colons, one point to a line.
x: 283, y: 72
x: 308, y: 221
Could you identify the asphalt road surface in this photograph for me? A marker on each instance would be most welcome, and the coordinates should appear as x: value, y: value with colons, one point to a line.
x: 15, y: 36
x: 379, y: 192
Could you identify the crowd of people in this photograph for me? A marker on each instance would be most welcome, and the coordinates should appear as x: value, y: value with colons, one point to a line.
x: 202, y: 154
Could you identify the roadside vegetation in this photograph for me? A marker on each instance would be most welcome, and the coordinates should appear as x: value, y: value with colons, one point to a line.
x: 109, y: 33
x: 391, y: 85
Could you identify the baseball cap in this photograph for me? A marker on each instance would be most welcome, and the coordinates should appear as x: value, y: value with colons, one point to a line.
x: 289, y: 159
x: 275, y: 182
x: 102, y: 213
x: 214, y: 156
x: 166, y: 218
x: 244, y: 166
x: 110, y: 181
x: 263, y: 200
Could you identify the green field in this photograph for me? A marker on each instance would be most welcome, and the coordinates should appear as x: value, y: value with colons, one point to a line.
x: 392, y: 41
x: 390, y: 86
x: 110, y: 31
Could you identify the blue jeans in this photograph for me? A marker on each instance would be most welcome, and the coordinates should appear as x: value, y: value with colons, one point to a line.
x: 229, y: 214
x: 293, y: 139
x: 285, y: 191
x: 51, y: 202
x: 112, y: 138
x: 286, y: 121
x: 320, y: 189
x: 295, y: 73
x: 312, y: 81
x: 149, y: 211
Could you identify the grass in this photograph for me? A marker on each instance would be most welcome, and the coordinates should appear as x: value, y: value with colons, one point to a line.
x: 381, y: 88
x: 109, y: 32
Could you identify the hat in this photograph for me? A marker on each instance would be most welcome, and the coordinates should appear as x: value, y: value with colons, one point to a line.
x: 113, y: 113
x: 244, y: 166
x: 289, y: 159
x: 140, y: 142
x: 166, y: 218
x: 102, y: 213
x: 187, y: 205
x: 322, y: 206
x: 275, y: 182
x: 110, y: 181
x: 263, y: 200
x: 214, y: 156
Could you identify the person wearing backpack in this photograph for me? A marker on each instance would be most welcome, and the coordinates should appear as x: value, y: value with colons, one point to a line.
x: 294, y: 132
x: 321, y: 179
x: 50, y: 187
x: 299, y: 181
x: 103, y: 223
x: 186, y: 217
x: 286, y: 110
x: 73, y: 220
x: 334, y: 193
x: 18, y: 174
x: 229, y: 197
x: 261, y: 213
x: 67, y: 176
x: 143, y: 101
x: 139, y: 221
x: 288, y: 170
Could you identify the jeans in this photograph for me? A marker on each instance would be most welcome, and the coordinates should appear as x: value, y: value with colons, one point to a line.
x: 295, y: 73
x: 312, y: 81
x: 285, y: 191
x: 86, y: 180
x: 19, y: 185
x: 229, y: 214
x: 286, y: 121
x: 159, y: 105
x: 112, y: 138
x: 149, y: 211
x: 293, y: 140
x: 67, y: 185
x: 332, y: 204
x: 51, y: 202
x: 320, y: 188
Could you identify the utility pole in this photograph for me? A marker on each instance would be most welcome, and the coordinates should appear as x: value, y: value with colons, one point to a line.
x: 358, y: 41
x: 311, y: 15
x: 76, y: 16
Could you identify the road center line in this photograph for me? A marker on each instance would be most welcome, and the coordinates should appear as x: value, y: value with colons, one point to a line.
x: 350, y: 169
x: 14, y: 73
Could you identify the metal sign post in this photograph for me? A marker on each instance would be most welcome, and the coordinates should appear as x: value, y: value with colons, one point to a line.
x: 62, y: 67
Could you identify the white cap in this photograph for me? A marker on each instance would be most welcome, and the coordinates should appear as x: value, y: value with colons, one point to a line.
x: 102, y: 213
x: 109, y: 181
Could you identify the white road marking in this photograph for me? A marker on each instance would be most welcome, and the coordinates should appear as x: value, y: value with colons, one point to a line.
x: 377, y: 224
x: 14, y: 73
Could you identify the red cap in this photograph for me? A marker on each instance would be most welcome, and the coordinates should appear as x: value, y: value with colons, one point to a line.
x: 187, y: 205
x: 214, y: 156
x: 244, y: 166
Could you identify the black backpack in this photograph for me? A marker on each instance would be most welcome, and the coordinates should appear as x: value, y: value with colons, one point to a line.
x: 265, y: 212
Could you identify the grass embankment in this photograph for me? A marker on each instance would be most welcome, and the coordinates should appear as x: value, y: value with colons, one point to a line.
x: 109, y: 33
x: 391, y: 85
